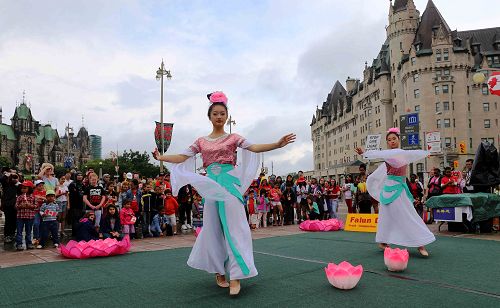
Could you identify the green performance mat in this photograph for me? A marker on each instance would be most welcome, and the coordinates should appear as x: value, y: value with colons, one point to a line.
x: 460, y: 272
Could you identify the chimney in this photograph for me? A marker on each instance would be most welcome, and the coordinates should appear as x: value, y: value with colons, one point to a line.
x: 350, y: 84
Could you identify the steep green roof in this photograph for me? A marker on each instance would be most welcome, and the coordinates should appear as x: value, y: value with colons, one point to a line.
x: 22, y: 112
x: 45, y: 132
x: 7, y: 130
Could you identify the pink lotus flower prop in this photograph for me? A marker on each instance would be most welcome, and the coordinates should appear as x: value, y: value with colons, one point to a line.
x: 92, y: 249
x: 396, y: 259
x: 343, y: 276
x: 197, y: 231
x: 322, y: 225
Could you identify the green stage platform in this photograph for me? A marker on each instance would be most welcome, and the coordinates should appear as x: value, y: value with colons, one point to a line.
x: 460, y: 272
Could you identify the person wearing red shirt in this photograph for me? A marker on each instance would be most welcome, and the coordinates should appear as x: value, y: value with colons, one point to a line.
x: 448, y: 182
x: 171, y: 207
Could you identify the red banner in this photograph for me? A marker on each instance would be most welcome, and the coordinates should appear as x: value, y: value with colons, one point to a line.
x: 167, y: 135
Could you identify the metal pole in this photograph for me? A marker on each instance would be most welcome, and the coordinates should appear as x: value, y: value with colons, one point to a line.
x: 161, y: 119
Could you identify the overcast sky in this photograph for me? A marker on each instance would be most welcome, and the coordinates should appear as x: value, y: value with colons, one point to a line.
x: 276, y: 60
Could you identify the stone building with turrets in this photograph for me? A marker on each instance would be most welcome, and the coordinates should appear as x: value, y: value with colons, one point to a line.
x: 422, y: 67
x: 27, y: 144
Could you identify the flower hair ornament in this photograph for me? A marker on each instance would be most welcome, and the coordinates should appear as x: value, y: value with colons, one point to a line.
x: 217, y: 97
x: 393, y: 130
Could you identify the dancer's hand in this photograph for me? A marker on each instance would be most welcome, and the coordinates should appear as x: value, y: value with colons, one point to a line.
x: 156, y: 154
x: 359, y: 151
x: 287, y: 139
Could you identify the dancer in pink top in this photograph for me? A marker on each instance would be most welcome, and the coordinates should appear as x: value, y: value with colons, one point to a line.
x: 225, y: 243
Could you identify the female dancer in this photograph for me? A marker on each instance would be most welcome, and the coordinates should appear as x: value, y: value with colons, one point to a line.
x: 225, y: 244
x: 398, y: 222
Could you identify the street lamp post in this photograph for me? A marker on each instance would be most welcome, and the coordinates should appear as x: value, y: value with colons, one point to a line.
x: 230, y: 122
x: 159, y: 76
x: 443, y: 144
x: 100, y: 170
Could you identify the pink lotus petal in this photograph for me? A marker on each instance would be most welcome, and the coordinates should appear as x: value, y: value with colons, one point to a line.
x: 91, y: 249
x: 343, y: 276
x: 197, y: 231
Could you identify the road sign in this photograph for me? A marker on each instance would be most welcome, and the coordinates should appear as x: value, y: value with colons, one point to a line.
x: 410, y: 127
x: 432, y: 137
x: 372, y: 142
x: 434, y: 147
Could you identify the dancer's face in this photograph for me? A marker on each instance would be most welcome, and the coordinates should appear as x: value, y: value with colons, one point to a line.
x: 218, y: 116
x: 392, y: 141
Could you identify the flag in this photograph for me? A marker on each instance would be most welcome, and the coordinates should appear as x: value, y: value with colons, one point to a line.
x: 494, y: 83
x: 167, y: 135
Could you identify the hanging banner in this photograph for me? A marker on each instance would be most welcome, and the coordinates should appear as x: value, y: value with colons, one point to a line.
x: 167, y: 135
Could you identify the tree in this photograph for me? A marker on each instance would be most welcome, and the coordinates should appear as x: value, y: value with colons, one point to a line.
x: 129, y: 161
x: 5, y: 162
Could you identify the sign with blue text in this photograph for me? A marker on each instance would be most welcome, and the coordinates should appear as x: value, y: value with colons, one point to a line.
x: 410, y: 129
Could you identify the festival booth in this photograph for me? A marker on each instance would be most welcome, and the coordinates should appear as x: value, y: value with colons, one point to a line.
x: 472, y: 210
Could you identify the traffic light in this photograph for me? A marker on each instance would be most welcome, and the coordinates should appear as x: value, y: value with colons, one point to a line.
x: 455, y: 164
x: 463, y: 147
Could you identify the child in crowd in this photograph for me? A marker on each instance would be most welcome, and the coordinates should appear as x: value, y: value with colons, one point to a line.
x: 313, y: 212
x: 171, y: 207
x: 39, y: 195
x: 127, y: 218
x: 276, y: 204
x: 252, y: 207
x: 262, y: 208
x: 122, y: 195
x: 49, y: 211
x: 110, y: 223
x: 85, y: 229
x: 160, y: 224
x: 149, y: 208
x: 198, y: 204
x: 62, y: 200
x: 26, y: 209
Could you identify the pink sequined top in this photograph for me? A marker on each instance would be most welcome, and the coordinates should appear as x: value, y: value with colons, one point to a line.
x: 220, y: 150
x: 401, y: 171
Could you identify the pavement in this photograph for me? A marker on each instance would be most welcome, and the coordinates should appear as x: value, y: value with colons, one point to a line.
x: 9, y: 257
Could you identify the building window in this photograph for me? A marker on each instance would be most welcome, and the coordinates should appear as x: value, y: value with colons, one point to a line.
x: 445, y: 54
x: 470, y: 143
x: 415, y: 77
x: 437, y: 107
x: 446, y: 72
x: 470, y: 123
x: 486, y: 106
x: 420, y: 167
x: 446, y: 122
x: 438, y: 123
x: 436, y: 90
x: 446, y: 105
x: 484, y: 90
x: 487, y: 124
x: 438, y: 55
x: 413, y: 60
x: 447, y: 142
x: 438, y: 73
x: 468, y: 106
x: 416, y: 93
x: 454, y: 123
x: 417, y: 108
x: 453, y: 105
x: 445, y: 88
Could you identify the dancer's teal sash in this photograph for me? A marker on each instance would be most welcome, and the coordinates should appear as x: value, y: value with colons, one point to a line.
x: 228, y: 181
x: 396, y: 189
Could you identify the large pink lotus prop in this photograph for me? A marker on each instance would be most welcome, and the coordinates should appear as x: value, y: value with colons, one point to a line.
x: 92, y: 249
x: 396, y: 259
x: 343, y: 276
x: 322, y: 225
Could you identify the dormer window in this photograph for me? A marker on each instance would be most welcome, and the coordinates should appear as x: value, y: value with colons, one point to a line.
x: 458, y: 42
x: 438, y: 55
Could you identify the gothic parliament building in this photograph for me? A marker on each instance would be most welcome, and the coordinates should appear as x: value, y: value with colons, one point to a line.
x: 27, y: 144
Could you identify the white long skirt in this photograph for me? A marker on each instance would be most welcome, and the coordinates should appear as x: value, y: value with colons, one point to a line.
x: 211, y: 251
x: 399, y: 223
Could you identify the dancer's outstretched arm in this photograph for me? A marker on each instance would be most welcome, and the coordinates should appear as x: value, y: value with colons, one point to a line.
x: 285, y: 140
x: 175, y: 159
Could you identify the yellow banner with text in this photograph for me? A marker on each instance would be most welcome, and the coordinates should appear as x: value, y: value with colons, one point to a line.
x: 361, y: 222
